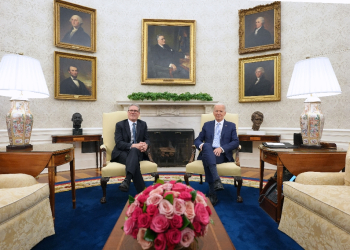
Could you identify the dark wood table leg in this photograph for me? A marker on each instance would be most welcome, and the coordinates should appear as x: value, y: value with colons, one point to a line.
x: 262, y: 166
x: 72, y: 178
x: 279, y: 187
x: 51, y: 172
x: 96, y: 144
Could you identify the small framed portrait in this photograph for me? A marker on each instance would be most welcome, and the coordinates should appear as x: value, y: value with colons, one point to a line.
x: 75, y: 77
x: 260, y: 78
x: 168, y: 52
x: 260, y: 28
x: 75, y: 26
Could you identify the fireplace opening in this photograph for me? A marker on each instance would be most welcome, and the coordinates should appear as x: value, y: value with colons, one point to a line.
x: 171, y: 147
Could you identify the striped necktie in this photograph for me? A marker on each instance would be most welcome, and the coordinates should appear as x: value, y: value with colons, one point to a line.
x: 134, y: 131
x: 216, y: 142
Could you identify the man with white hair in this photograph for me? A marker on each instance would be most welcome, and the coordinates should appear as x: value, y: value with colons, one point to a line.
x: 217, y: 140
x: 260, y: 35
x: 261, y: 86
x: 77, y: 34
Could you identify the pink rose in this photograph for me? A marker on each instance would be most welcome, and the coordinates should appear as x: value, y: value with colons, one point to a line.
x: 159, y: 190
x: 160, y: 242
x: 173, y: 236
x: 186, y: 196
x: 172, y: 182
x: 144, y: 220
x: 201, y: 199
x: 197, y: 228
x: 208, y: 210
x: 159, y: 223
x: 189, y: 212
x: 189, y: 189
x: 148, y: 190
x: 201, y: 214
x: 154, y: 199
x: 166, y: 209
x: 176, y: 221
x: 200, y: 193
x: 142, y: 198
x: 137, y: 212
x: 167, y: 186
x: 152, y: 210
x: 205, y: 230
x: 131, y: 208
x: 179, y: 206
x: 156, y: 185
x: 179, y: 187
x: 174, y: 193
x: 187, y: 236
x: 135, y: 232
x: 129, y: 226
x: 140, y: 239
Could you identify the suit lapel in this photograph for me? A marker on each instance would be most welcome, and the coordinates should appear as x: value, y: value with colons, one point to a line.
x: 127, y: 127
x: 224, y: 128
x: 212, y: 129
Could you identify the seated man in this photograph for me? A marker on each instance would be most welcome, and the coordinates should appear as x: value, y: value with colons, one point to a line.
x: 131, y: 143
x: 216, y: 141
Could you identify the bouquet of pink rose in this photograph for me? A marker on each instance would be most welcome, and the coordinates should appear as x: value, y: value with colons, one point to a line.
x: 167, y: 215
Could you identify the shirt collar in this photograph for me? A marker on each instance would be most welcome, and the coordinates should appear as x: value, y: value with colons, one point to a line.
x: 130, y: 123
x: 221, y: 123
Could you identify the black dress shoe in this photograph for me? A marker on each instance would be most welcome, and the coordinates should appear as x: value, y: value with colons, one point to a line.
x: 124, y: 186
x: 218, y: 185
x: 213, y: 199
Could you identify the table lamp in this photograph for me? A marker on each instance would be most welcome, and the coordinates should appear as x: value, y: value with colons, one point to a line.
x: 312, y: 78
x: 21, y: 77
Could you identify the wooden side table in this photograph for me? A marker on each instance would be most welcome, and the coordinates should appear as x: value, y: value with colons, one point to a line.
x: 297, y: 160
x: 80, y: 138
x: 266, y: 138
x: 34, y: 162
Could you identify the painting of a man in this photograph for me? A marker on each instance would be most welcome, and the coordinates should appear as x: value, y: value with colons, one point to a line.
x: 77, y: 35
x: 261, y: 86
x: 73, y: 86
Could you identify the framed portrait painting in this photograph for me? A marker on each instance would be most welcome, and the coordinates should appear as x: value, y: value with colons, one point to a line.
x: 75, y: 26
x: 260, y: 78
x: 168, y: 52
x: 75, y: 77
x: 260, y: 28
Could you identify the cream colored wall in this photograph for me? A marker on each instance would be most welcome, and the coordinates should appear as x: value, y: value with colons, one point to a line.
x: 307, y: 29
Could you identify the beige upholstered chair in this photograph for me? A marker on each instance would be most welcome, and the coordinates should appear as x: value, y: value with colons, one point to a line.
x: 111, y: 169
x: 224, y: 169
x: 25, y: 212
x: 316, y: 209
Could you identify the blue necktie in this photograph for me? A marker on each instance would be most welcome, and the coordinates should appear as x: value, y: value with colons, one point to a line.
x: 134, y: 131
x: 216, y: 142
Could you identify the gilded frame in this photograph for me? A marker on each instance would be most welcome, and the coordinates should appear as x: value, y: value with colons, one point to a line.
x: 86, y: 66
x: 83, y: 39
x: 180, y: 40
x: 248, y: 43
x: 249, y: 88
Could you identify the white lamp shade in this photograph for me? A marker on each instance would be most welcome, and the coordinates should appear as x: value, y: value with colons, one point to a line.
x: 22, y: 75
x: 313, y: 76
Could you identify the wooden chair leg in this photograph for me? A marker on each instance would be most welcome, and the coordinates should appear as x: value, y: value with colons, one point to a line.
x: 240, y: 182
x: 201, y: 178
x: 186, y: 176
x: 155, y: 175
x: 104, y: 181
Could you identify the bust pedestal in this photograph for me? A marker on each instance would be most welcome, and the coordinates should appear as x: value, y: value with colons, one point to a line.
x: 77, y: 131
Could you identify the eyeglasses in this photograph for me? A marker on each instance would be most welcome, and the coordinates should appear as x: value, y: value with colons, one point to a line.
x: 133, y: 111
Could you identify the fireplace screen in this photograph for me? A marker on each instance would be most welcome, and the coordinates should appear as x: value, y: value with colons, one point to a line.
x: 171, y: 147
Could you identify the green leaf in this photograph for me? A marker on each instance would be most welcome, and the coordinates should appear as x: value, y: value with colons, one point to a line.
x: 194, y: 195
x: 126, y: 217
x: 191, y: 226
x: 170, y: 96
x: 170, y: 198
x: 131, y: 199
x: 185, y: 222
x: 150, y: 235
x: 179, y: 180
x: 144, y: 207
x: 160, y: 181
x: 211, y: 221
x: 122, y: 228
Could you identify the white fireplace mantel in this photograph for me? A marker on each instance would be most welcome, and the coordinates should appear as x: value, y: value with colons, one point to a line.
x: 170, y: 108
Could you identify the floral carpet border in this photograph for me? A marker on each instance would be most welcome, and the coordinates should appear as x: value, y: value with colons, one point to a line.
x: 93, y: 182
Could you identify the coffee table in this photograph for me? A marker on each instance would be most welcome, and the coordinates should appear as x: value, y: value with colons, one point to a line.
x: 217, y: 237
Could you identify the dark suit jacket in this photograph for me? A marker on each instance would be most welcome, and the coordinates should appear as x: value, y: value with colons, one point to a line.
x: 68, y: 87
x: 263, y: 37
x: 263, y: 87
x: 79, y: 38
x: 164, y: 57
x: 122, y: 137
x: 229, y: 140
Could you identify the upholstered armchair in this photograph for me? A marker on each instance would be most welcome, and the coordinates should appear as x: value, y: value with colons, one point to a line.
x: 316, y: 209
x: 111, y: 169
x: 224, y: 169
x: 25, y: 212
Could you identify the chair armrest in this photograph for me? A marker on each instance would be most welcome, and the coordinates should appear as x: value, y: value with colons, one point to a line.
x: 318, y: 178
x: 16, y: 180
x: 236, y: 155
x: 103, y: 150
x: 148, y: 151
x: 193, y: 154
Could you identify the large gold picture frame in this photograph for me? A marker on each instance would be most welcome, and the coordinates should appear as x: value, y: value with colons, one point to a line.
x: 260, y: 78
x: 75, y: 26
x: 168, y: 52
x: 75, y: 77
x: 260, y: 28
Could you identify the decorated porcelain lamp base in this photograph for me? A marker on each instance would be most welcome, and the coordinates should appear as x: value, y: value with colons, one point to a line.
x: 27, y: 147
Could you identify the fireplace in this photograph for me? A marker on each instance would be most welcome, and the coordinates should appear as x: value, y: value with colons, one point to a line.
x: 171, y: 147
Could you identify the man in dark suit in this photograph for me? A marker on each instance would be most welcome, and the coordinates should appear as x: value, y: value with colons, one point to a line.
x: 71, y: 85
x: 77, y: 35
x: 131, y: 143
x: 261, y: 86
x: 165, y: 57
x: 217, y: 140
x: 260, y: 35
